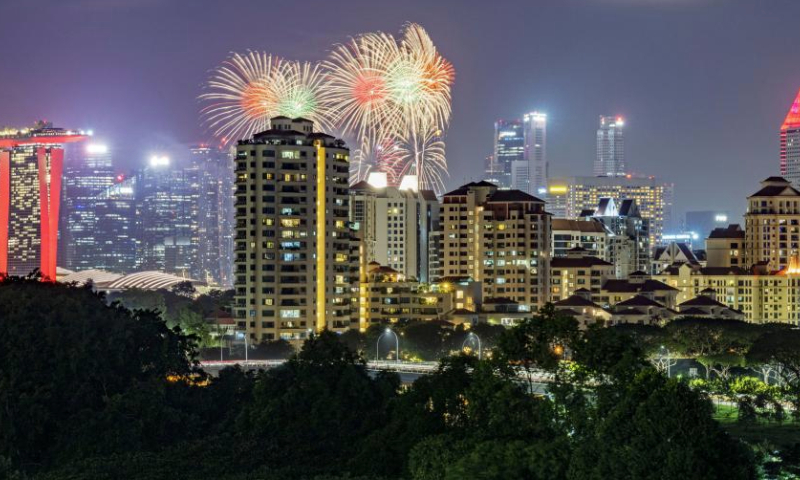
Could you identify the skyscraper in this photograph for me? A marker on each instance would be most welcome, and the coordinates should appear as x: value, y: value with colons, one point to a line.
x: 116, y: 241
x: 536, y: 152
x: 293, y: 262
x: 87, y: 175
x: 610, y: 160
x: 214, y: 170
x: 167, y: 203
x: 509, y: 147
x: 790, y: 144
x: 31, y: 164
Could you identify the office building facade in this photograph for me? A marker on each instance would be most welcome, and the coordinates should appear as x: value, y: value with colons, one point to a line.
x: 509, y: 148
x: 610, y: 159
x: 790, y: 144
x: 535, y: 124
x: 167, y: 222
x: 214, y: 172
x: 293, y: 261
x: 116, y: 234
x: 89, y: 173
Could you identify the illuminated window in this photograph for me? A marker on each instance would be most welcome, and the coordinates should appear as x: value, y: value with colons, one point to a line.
x: 290, y: 222
x: 290, y: 313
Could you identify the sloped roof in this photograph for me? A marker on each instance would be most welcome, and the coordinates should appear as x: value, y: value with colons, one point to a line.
x: 731, y: 231
x: 626, y: 286
x: 502, y: 196
x: 577, y: 225
x: 701, y: 301
x: 576, y: 301
x: 639, y: 301
x: 150, y: 280
x: 464, y: 189
x: 576, y: 262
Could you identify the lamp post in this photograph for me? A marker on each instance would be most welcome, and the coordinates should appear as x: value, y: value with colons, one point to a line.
x: 470, y: 337
x: 244, y: 335
x: 396, y: 343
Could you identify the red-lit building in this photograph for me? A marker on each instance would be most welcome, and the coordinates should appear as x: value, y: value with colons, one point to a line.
x: 790, y: 144
x: 31, y: 163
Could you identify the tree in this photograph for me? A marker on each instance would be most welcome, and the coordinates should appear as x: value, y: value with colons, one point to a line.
x: 317, y: 405
x: 536, y: 344
x: 64, y: 352
x: 781, y: 348
x: 272, y: 350
x: 658, y: 428
x: 425, y: 339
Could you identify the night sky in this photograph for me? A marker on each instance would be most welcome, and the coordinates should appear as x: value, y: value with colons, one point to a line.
x: 703, y: 84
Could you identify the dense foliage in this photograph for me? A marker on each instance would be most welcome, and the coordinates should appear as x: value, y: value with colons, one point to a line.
x: 89, y: 390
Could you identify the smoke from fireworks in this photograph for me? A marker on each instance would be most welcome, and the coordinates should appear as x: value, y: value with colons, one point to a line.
x: 391, y: 97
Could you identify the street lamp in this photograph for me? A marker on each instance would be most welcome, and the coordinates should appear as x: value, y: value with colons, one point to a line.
x: 243, y: 335
x: 396, y: 343
x: 473, y: 336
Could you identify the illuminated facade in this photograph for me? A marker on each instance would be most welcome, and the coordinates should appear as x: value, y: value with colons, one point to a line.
x: 761, y: 295
x: 31, y: 165
x: 790, y: 144
x: 500, y: 238
x: 772, y: 224
x: 214, y: 172
x: 394, y: 227
x: 610, y: 160
x: 116, y: 234
x: 509, y: 148
x: 293, y: 261
x: 88, y: 173
x: 536, y: 152
x: 167, y: 217
x: 568, y: 197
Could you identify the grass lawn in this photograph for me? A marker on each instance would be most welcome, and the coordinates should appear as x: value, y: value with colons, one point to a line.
x: 781, y: 435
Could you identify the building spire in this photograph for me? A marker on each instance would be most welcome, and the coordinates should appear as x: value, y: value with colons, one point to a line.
x: 793, y: 117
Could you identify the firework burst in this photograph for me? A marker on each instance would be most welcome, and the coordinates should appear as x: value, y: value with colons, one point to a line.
x: 248, y: 90
x: 389, y: 98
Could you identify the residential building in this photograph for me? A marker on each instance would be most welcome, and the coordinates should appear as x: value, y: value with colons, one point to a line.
x: 500, y: 238
x: 577, y: 271
x: 673, y: 253
x: 395, y: 227
x: 610, y: 160
x: 569, y: 196
x: 772, y: 224
x: 294, y: 260
x: 535, y: 124
x: 790, y: 144
x: 31, y: 166
x: 591, y: 235
x: 629, y: 242
x: 387, y: 296
x: 760, y: 294
x: 725, y: 247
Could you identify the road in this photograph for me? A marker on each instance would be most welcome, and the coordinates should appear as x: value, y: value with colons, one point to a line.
x: 408, y: 371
